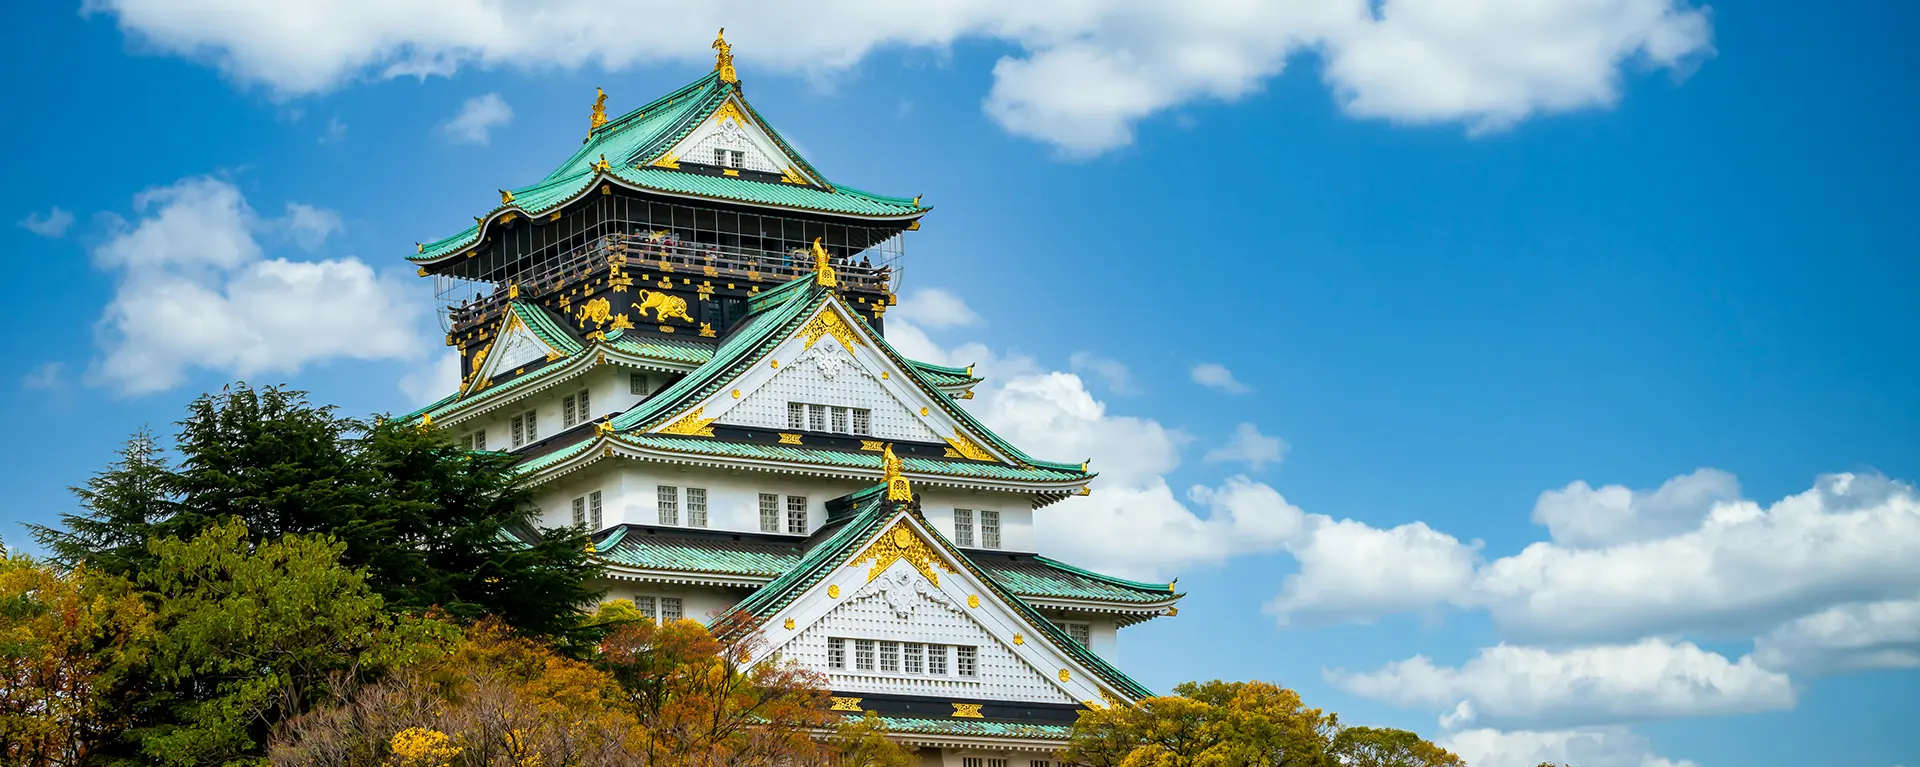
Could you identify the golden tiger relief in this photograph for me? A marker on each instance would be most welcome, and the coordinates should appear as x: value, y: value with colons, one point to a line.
x: 597, y: 311
x: 663, y: 305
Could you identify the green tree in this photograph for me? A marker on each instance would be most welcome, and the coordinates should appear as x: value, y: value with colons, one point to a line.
x: 1386, y: 747
x: 434, y: 525
x: 69, y: 640
x: 862, y: 742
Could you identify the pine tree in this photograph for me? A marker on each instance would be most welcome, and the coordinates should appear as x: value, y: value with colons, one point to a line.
x: 129, y: 502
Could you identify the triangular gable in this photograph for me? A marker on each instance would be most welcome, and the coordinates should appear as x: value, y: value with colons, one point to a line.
x: 730, y: 139
x: 832, y: 358
x: 889, y: 576
x: 526, y: 336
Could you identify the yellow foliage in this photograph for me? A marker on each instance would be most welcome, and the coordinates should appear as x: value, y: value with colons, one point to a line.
x: 421, y: 747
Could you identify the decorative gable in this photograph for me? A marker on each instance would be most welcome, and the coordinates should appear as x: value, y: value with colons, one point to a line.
x: 730, y: 139
x: 514, y: 347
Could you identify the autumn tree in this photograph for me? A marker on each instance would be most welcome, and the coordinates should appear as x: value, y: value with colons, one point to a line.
x: 1386, y: 747
x: 68, y: 642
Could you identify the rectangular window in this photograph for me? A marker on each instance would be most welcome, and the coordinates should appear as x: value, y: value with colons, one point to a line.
x: 990, y: 529
x: 566, y: 412
x: 863, y: 655
x: 533, y: 432
x: 796, y: 416
x: 670, y: 609
x: 965, y: 660
x: 519, y: 432
x: 890, y: 657
x: 1079, y: 632
x: 1039, y: 763
x: 816, y: 418
x: 797, y: 514
x: 480, y: 439
x: 937, y: 659
x: 637, y: 384
x: 862, y: 421
x: 837, y: 653
x: 962, y: 527
x: 696, y: 507
x: 840, y: 420
x: 972, y: 761
x: 669, y: 505
x: 769, y: 513
x: 646, y: 607
x: 996, y: 762
x: 586, y: 408
x: 580, y: 511
x: 593, y: 509
x: 911, y: 654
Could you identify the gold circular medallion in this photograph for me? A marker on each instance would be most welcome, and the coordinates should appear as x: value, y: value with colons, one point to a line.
x: 902, y: 537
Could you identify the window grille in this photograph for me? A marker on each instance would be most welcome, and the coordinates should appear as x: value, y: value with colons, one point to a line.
x: 769, y: 513
x: 533, y: 432
x: 963, y: 527
x: 837, y: 653
x: 580, y: 511
x: 480, y: 439
x: 839, y: 420
x: 566, y: 412
x: 911, y: 655
x: 670, y: 610
x: 972, y: 761
x: 593, y: 508
x: 816, y: 418
x: 965, y: 660
x: 519, y: 432
x: 996, y: 762
x: 669, y: 504
x: 990, y: 529
x: 937, y: 659
x: 1039, y: 763
x: 890, y: 657
x: 696, y: 507
x: 586, y: 408
x: 862, y: 421
x: 646, y: 608
x: 796, y: 416
x: 797, y: 514
x: 1079, y: 632
x: 863, y: 655
x: 637, y: 384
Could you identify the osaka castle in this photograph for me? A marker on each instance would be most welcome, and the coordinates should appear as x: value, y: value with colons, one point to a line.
x: 681, y: 333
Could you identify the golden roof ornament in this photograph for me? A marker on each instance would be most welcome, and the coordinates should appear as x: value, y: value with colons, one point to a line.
x: 898, y: 488
x: 599, y: 112
x: 506, y: 197
x: 723, y: 60
x: 602, y: 165
x: 823, y: 265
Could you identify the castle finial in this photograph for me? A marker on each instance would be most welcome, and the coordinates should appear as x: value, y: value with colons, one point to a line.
x: 599, y: 111
x: 823, y: 265
x: 723, y: 59
x: 898, y: 489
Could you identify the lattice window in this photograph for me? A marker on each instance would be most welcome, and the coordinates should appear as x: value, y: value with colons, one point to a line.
x: 670, y: 609
x: 669, y: 499
x: 580, y: 511
x: 796, y: 416
x: 566, y: 412
x: 937, y: 659
x: 519, y: 430
x: 1039, y: 763
x: 990, y: 528
x: 996, y: 762
x: 963, y: 527
x: 593, y: 509
x: 966, y: 660
x: 839, y: 420
x: 912, y: 656
x: 475, y: 441
x: 769, y: 513
x: 1079, y: 632
x: 637, y: 384
x: 646, y: 606
x: 586, y: 407
x: 696, y: 507
x: 816, y: 418
x: 797, y: 514
x: 972, y: 761
x: 862, y: 421
x: 836, y: 653
x: 890, y: 657
x: 863, y: 655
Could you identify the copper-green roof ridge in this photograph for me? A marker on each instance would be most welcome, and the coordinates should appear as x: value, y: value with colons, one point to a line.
x: 640, y: 135
x: 542, y: 325
x: 1142, y: 585
x: 975, y: 727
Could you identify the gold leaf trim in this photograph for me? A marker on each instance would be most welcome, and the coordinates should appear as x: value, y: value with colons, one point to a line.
x: 828, y: 322
x: 968, y: 448
x: 691, y: 424
x: 901, y: 542
x: 967, y: 711
x: 845, y: 704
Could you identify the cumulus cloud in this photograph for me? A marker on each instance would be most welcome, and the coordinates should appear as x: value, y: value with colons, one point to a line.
x: 477, y: 118
x: 1216, y: 376
x: 46, y: 376
x: 436, y: 378
x: 51, y: 224
x: 1250, y: 447
x: 935, y: 308
x: 1353, y: 572
x: 1599, y: 747
x: 1080, y: 75
x: 1850, y: 637
x: 1580, y: 516
x: 1113, y: 373
x: 1526, y: 687
x: 194, y: 289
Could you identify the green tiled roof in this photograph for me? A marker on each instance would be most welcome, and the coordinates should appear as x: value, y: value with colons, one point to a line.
x: 666, y: 349
x: 975, y: 727
x: 941, y: 375
x: 844, y: 459
x: 634, y: 141
x: 544, y: 327
x: 1027, y: 575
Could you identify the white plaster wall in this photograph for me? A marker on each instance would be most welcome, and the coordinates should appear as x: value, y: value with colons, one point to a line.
x: 1016, y: 514
x: 827, y: 374
x: 630, y: 494
x: 700, y: 603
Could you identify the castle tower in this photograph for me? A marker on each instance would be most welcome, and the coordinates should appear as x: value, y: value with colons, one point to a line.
x: 680, y: 331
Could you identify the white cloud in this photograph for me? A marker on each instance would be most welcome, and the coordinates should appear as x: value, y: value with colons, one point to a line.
x: 1216, y: 376
x: 1353, y: 572
x: 51, y: 224
x: 46, y: 376
x: 1601, y: 747
x: 1081, y: 76
x: 437, y: 378
x: 194, y: 290
x: 1525, y: 687
x: 335, y: 132
x: 1580, y: 516
x: 310, y: 226
x: 1250, y: 447
x: 935, y: 308
x: 1111, y: 372
x: 1851, y: 637
x: 476, y: 120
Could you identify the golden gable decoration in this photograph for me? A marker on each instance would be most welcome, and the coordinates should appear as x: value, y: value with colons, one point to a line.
x: 901, y: 542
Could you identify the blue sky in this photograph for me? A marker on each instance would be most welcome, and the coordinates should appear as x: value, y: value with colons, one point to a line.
x: 1452, y: 269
